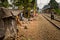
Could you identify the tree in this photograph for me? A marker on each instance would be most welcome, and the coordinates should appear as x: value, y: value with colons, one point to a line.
x: 25, y: 4
x: 4, y: 3
x: 53, y: 4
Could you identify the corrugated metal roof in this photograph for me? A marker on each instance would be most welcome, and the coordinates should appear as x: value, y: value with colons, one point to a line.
x: 15, y: 12
x: 46, y: 7
x: 4, y: 12
x: 7, y: 13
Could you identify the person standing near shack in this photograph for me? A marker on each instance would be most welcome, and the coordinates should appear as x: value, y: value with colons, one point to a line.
x: 52, y: 15
x: 21, y: 16
x: 31, y: 14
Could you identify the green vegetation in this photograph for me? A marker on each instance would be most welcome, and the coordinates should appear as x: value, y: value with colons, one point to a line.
x: 54, y: 5
x: 4, y: 3
x: 57, y: 11
x: 21, y: 4
x: 25, y: 5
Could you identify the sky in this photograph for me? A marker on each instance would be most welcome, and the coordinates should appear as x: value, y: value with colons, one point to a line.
x: 41, y: 3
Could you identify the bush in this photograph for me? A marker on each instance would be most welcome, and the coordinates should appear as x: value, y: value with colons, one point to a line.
x: 57, y: 11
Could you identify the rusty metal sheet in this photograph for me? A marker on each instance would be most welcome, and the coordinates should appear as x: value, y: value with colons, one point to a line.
x: 5, y: 13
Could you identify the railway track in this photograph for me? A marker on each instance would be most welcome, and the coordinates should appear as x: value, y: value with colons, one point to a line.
x: 52, y: 22
x: 54, y: 19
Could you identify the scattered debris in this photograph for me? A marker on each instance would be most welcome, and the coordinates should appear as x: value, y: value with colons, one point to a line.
x: 25, y: 27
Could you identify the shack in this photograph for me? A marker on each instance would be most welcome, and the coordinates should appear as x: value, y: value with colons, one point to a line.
x: 46, y: 9
x: 8, y: 25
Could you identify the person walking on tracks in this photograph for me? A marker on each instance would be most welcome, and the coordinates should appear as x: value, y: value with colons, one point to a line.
x: 52, y: 15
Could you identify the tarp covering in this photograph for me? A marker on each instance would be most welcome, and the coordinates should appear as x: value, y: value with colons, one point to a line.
x: 4, y: 12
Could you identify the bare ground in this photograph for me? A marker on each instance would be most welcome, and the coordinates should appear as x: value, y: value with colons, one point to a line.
x: 39, y: 29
